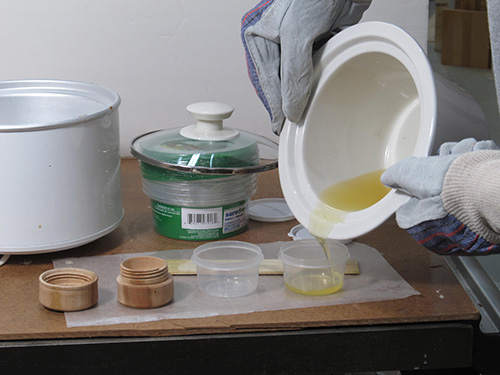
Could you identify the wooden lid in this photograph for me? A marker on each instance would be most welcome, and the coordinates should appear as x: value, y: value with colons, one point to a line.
x: 68, y: 289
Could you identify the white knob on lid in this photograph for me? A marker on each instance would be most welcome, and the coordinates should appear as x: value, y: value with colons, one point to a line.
x: 210, y: 116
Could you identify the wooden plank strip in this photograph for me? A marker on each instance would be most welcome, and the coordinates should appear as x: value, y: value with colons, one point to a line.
x: 184, y: 267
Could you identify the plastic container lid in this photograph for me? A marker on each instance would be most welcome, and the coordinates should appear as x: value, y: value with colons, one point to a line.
x: 299, y: 232
x: 206, y: 147
x: 270, y: 210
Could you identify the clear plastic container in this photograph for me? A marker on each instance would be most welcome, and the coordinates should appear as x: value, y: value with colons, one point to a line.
x: 227, y: 269
x: 205, y: 209
x: 312, y: 269
x: 201, y: 193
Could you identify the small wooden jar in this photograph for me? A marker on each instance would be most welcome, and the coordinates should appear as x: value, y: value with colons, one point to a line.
x: 144, y: 283
x: 68, y: 289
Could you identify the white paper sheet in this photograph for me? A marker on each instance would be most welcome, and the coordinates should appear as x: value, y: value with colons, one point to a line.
x: 377, y: 281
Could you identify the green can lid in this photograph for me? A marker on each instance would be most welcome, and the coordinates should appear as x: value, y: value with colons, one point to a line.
x: 206, y: 147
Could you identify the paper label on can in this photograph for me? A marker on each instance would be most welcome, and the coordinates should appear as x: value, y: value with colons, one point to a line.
x: 235, y: 218
x: 192, y: 223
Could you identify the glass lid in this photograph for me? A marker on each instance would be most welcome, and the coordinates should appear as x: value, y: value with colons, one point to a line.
x: 207, y: 147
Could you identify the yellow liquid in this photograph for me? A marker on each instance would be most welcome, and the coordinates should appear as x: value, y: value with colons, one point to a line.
x: 356, y: 193
x: 315, y: 283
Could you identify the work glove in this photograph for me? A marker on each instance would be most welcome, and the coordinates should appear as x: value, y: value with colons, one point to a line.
x: 424, y: 216
x: 279, y: 37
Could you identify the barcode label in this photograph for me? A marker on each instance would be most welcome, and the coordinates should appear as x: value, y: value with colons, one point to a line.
x: 193, y: 218
x: 209, y: 218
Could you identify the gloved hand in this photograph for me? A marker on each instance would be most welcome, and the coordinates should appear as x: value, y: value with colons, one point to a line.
x: 279, y: 37
x: 424, y: 216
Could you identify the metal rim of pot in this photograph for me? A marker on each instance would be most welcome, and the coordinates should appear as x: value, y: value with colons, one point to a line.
x: 264, y: 165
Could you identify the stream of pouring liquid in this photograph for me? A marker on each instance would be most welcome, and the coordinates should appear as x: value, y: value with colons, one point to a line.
x: 337, y: 200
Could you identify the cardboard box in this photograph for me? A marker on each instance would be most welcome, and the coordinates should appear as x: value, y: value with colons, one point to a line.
x: 471, y: 4
x: 465, y: 38
x: 438, y: 24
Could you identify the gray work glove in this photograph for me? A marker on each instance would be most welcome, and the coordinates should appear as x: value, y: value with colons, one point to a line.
x: 279, y: 37
x: 424, y: 215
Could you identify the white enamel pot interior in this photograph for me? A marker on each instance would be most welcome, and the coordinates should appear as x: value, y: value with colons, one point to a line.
x: 375, y: 101
x: 59, y: 165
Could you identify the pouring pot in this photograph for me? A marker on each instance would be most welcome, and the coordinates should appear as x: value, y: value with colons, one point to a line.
x: 374, y: 101
x: 59, y: 165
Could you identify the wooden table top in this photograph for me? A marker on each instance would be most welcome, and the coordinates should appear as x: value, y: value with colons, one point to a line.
x: 23, y: 317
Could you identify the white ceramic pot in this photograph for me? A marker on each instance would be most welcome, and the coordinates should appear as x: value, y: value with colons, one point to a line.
x: 375, y: 100
x: 59, y: 165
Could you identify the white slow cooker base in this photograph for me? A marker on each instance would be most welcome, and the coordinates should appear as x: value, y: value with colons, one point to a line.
x: 59, y: 246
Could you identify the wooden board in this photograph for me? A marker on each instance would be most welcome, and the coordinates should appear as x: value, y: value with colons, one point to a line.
x: 441, y: 299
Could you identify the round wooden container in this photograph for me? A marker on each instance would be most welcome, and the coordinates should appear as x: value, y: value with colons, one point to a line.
x: 144, y: 283
x: 68, y: 289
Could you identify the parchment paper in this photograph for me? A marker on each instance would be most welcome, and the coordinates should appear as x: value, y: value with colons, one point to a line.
x: 377, y: 281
